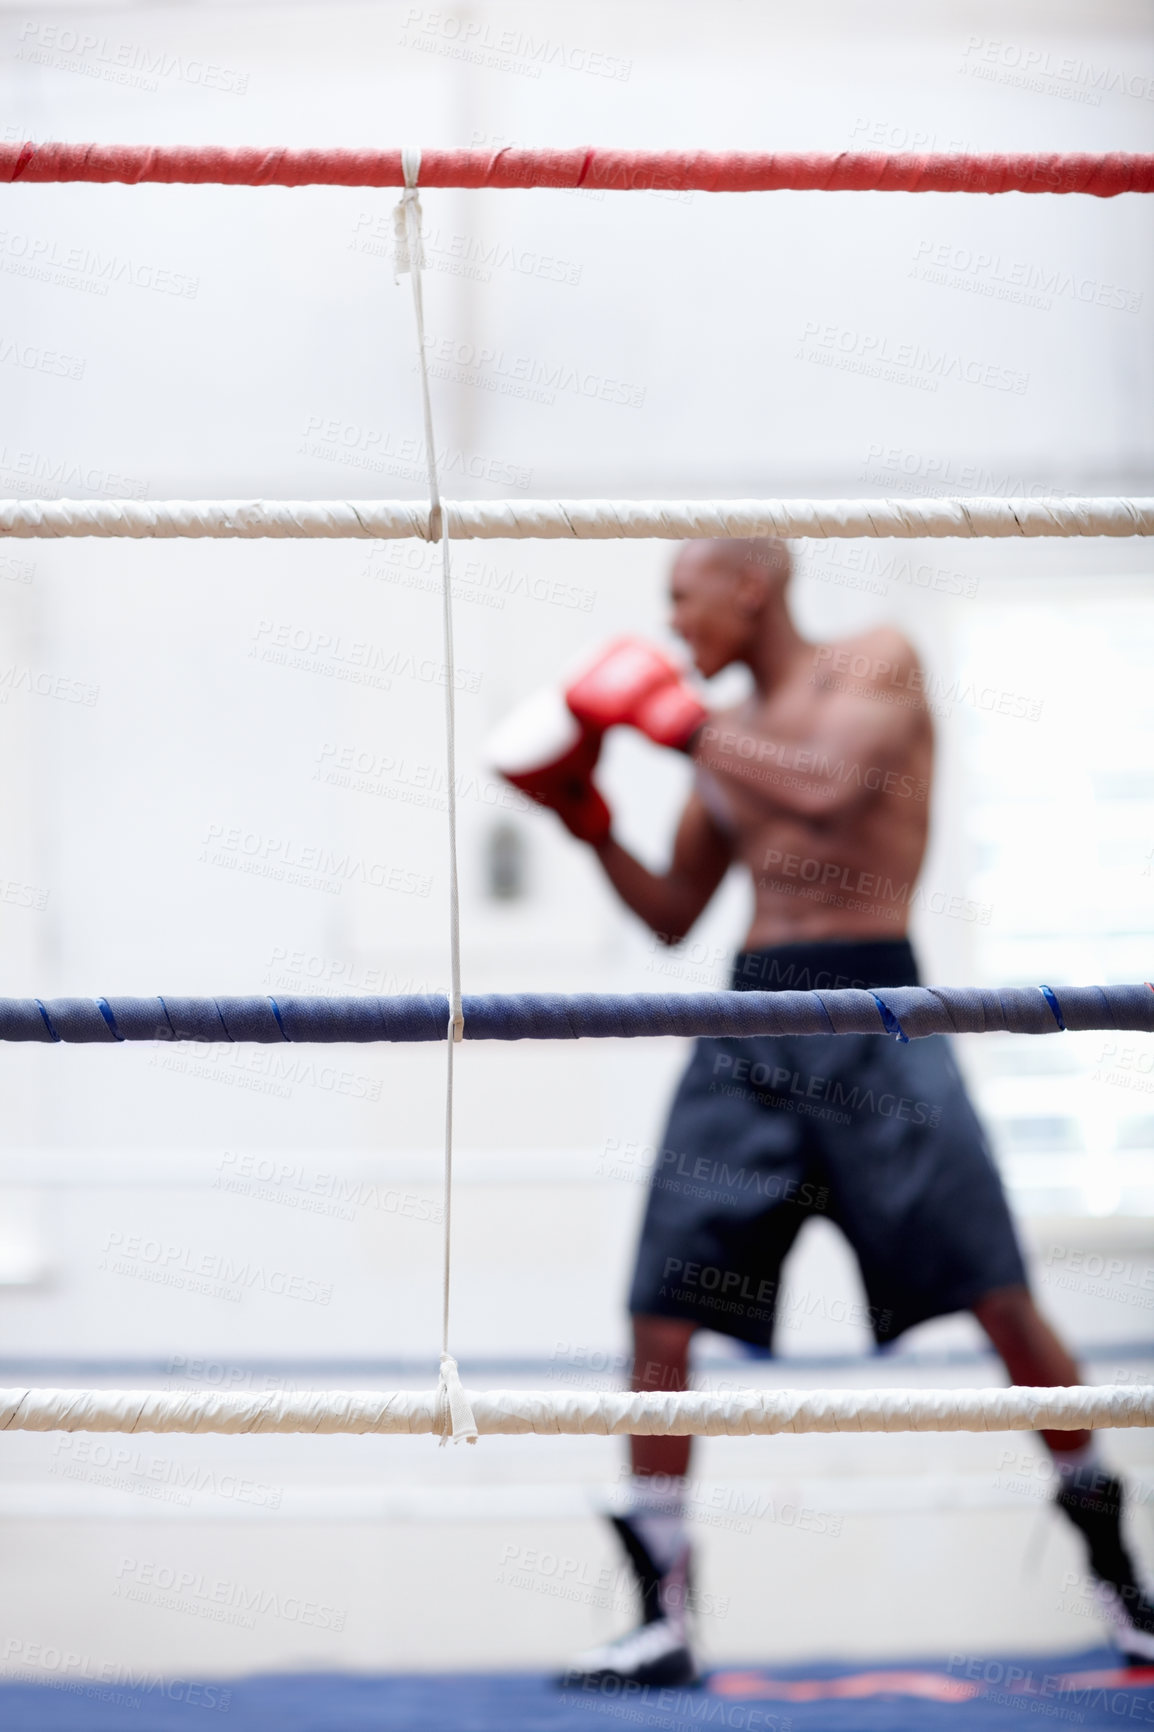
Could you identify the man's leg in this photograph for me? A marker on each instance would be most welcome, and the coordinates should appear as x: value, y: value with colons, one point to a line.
x: 652, y: 1529
x: 661, y: 1361
x: 1032, y: 1353
x: 733, y: 1221
x: 1088, y: 1494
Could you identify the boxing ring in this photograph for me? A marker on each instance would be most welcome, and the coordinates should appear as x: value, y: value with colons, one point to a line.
x: 448, y: 1410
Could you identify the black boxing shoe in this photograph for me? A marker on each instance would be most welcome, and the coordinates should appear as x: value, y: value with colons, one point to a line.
x: 1093, y: 1501
x: 657, y: 1652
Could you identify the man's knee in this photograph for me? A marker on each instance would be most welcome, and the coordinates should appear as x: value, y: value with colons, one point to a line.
x: 1006, y: 1309
x: 672, y: 1329
x: 660, y: 1351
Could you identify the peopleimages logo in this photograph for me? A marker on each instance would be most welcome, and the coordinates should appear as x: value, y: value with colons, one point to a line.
x: 219, y: 1598
x: 133, y: 64
x: 1016, y: 280
x: 879, y: 356
x: 504, y: 50
x: 335, y: 440
x: 354, y: 661
x: 47, y: 477
x: 788, y: 755
x: 893, y: 682
x: 781, y: 1080
x: 1037, y: 69
x: 292, y: 1185
x: 76, y: 1674
x: 305, y: 865
x: 532, y: 377
x: 34, y: 359
x: 78, y: 267
x: 183, y: 1267
x: 463, y: 255
x: 854, y: 881
x: 143, y: 1474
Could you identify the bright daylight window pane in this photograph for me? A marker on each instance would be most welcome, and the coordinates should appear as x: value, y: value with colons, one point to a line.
x: 1062, y: 811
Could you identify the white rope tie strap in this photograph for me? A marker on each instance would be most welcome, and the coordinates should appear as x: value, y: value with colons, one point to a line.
x: 456, y: 1416
x: 572, y: 519
x: 581, y: 1413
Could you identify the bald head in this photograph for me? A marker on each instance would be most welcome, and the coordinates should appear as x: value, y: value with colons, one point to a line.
x: 721, y: 592
x: 764, y: 559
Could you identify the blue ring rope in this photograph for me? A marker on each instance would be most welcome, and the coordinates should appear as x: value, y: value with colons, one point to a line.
x: 907, y: 1012
x: 890, y: 1022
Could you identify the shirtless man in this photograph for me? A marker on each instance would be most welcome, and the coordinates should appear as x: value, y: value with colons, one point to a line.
x: 818, y: 786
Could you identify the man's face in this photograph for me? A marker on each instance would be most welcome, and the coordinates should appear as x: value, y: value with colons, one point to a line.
x: 709, y: 611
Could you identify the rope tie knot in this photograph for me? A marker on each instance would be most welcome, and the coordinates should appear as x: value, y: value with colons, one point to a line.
x: 455, y: 1417
x: 408, y: 249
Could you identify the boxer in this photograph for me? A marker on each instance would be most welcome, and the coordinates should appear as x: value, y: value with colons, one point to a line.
x: 817, y: 786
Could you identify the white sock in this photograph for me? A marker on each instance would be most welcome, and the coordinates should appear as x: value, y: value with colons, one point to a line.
x: 1068, y: 1462
x: 656, y: 1508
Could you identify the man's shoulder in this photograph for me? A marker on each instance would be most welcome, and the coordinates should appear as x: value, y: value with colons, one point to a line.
x: 873, y: 656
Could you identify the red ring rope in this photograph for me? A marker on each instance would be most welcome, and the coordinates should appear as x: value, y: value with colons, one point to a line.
x: 612, y: 170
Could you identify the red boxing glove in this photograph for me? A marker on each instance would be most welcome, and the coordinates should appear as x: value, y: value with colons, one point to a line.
x: 543, y: 750
x: 631, y: 684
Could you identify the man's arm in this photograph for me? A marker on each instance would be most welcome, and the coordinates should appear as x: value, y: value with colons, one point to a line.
x: 671, y: 901
x: 855, y: 747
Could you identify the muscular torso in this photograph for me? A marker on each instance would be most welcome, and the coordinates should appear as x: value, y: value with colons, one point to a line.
x: 844, y: 866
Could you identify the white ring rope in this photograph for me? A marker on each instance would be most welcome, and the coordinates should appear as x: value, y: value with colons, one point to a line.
x: 573, y: 519
x: 583, y: 1412
x: 456, y: 1415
